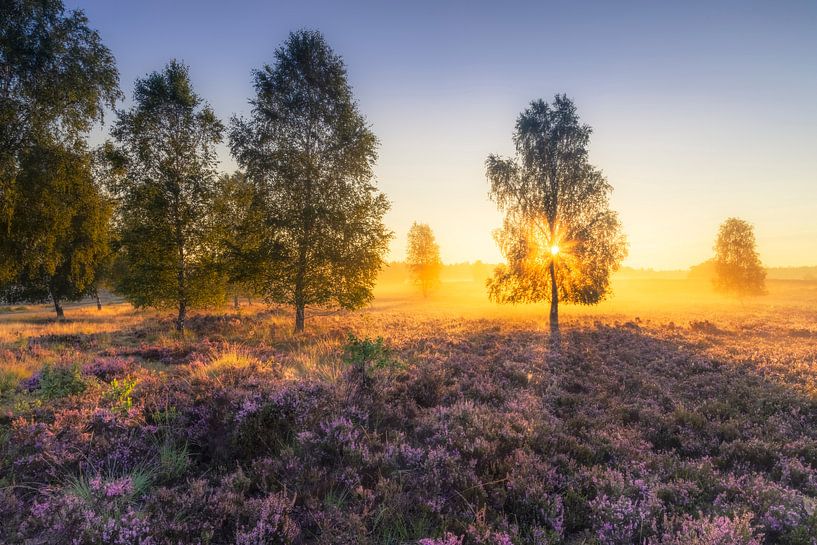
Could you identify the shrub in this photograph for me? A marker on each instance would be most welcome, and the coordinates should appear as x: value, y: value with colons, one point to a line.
x: 735, y: 530
x: 61, y: 381
x: 273, y: 524
x: 369, y: 353
x: 108, y: 368
x: 119, y: 394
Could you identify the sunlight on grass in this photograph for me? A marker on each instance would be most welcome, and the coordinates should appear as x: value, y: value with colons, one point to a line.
x: 320, y: 358
x: 227, y: 359
x: 11, y: 374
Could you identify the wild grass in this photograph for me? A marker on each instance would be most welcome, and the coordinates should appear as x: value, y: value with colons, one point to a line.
x: 419, y: 419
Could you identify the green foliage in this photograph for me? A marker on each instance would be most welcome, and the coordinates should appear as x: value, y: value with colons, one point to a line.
x: 553, y: 197
x: 61, y: 381
x: 163, y: 174
x: 243, y: 251
x: 423, y: 257
x: 57, y: 231
x: 55, y: 81
x: 368, y: 355
x: 56, y: 77
x: 310, y: 155
x: 738, y: 269
x: 174, y: 460
x: 119, y: 393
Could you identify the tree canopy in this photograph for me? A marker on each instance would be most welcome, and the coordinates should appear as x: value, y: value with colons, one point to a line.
x: 738, y: 270
x: 163, y: 175
x: 57, y: 239
x: 423, y: 257
x: 560, y: 238
x: 243, y: 252
x: 56, y: 78
x: 310, y: 154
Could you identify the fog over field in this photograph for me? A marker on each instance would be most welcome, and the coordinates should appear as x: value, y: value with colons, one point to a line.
x: 408, y: 273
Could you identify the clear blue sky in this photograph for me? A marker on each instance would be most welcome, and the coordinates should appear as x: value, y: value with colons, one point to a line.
x: 701, y: 110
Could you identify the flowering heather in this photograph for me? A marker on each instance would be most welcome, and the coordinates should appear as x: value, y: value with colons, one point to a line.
x: 463, y: 433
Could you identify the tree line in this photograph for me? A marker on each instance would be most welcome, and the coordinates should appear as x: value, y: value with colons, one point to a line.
x: 301, y: 223
x: 147, y: 213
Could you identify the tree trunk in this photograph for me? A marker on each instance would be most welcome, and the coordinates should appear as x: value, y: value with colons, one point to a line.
x: 554, y: 304
x: 300, y: 300
x: 182, y: 315
x: 235, y: 302
x: 98, y: 302
x: 55, y: 298
x: 58, y: 307
x: 299, y: 318
x: 181, y: 267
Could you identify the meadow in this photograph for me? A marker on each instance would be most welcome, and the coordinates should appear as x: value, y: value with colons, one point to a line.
x: 667, y: 416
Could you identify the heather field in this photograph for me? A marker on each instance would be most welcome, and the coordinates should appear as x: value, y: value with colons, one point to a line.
x: 441, y: 422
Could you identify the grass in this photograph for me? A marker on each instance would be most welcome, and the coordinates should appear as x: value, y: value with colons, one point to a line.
x: 665, y: 382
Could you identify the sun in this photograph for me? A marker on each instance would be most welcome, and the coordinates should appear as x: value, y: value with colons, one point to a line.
x: 554, y: 250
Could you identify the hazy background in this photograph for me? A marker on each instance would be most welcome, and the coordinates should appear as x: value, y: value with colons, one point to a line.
x: 701, y: 111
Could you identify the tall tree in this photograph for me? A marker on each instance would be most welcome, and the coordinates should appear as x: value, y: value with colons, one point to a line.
x: 56, y: 78
x: 58, y: 228
x: 423, y: 257
x: 163, y: 176
x: 243, y: 252
x: 560, y: 237
x: 310, y: 154
x: 738, y: 269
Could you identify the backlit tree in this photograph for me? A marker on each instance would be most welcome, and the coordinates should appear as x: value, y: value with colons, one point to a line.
x: 560, y: 237
x: 738, y: 269
x: 163, y: 176
x: 423, y: 257
x: 310, y: 154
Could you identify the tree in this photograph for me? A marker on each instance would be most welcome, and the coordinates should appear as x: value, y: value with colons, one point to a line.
x: 559, y: 236
x: 243, y: 253
x: 163, y: 177
x: 56, y: 77
x: 738, y: 269
x: 423, y: 257
x: 58, y: 230
x: 310, y: 154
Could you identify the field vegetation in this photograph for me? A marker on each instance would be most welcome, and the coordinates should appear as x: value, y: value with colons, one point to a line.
x: 438, y: 420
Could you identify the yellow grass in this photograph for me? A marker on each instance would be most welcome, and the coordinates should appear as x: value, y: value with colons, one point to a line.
x: 31, y: 338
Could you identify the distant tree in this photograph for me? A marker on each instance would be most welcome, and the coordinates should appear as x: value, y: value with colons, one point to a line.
x: 56, y: 78
x: 56, y: 235
x: 310, y: 154
x: 163, y: 175
x: 738, y: 270
x: 423, y: 257
x: 243, y: 251
x: 560, y: 238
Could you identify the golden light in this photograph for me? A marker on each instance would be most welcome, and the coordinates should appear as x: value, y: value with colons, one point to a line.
x: 554, y: 250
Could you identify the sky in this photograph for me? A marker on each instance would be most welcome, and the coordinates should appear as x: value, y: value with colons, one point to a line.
x: 701, y: 110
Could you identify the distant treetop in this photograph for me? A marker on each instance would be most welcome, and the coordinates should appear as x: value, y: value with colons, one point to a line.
x: 738, y: 270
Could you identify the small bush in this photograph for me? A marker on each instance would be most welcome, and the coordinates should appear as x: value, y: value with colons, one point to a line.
x: 368, y: 355
x: 120, y: 393
x: 56, y: 382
